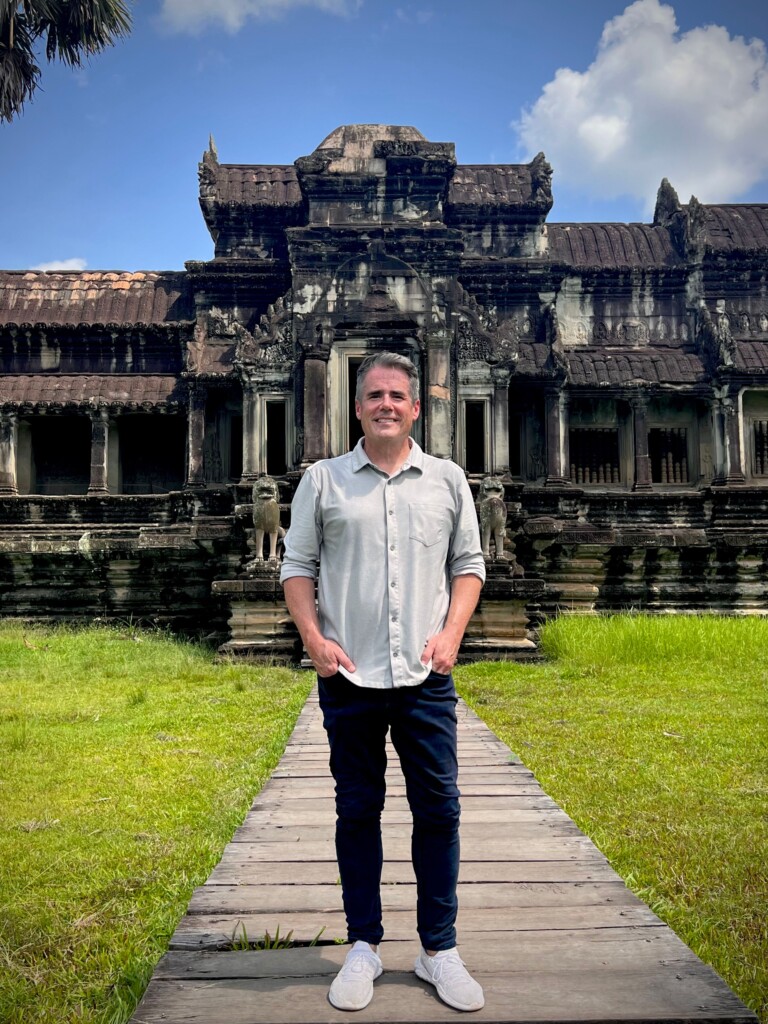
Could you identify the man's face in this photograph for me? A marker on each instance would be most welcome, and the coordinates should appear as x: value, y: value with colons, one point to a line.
x: 386, y: 410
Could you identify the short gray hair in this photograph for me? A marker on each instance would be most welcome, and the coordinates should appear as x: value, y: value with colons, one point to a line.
x: 389, y: 361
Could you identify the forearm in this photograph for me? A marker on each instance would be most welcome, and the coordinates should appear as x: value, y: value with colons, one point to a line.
x: 465, y: 593
x: 300, y: 598
x: 443, y: 648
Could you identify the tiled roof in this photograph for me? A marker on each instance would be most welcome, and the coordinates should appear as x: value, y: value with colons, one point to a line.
x: 737, y: 226
x: 611, y: 245
x: 278, y: 185
x: 83, y: 389
x: 257, y: 184
x: 490, y: 184
x: 94, y: 297
x: 752, y: 356
x: 532, y: 359
x: 600, y: 367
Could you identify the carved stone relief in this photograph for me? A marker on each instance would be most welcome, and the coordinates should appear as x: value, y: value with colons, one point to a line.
x: 271, y: 344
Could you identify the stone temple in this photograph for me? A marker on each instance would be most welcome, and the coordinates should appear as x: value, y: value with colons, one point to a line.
x: 604, y: 386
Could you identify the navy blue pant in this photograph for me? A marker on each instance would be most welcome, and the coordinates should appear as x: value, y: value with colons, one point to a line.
x: 422, y: 724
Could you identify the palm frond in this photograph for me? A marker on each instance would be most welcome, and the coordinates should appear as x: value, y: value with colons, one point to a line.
x: 78, y: 28
x: 19, y: 71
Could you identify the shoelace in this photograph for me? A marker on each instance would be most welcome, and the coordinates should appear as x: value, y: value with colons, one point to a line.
x: 446, y: 964
x: 361, y: 960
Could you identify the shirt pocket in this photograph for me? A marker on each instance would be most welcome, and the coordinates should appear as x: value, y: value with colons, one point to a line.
x: 428, y: 524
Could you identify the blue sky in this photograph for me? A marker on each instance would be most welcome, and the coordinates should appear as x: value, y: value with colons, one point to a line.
x: 100, y: 171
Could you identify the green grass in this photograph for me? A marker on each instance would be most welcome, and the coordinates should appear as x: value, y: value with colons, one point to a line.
x: 127, y: 759
x: 652, y: 733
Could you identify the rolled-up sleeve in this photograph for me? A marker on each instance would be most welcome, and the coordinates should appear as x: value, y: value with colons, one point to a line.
x: 465, y: 557
x: 303, y: 539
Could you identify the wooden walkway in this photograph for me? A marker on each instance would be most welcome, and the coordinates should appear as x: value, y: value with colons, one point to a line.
x: 546, y: 926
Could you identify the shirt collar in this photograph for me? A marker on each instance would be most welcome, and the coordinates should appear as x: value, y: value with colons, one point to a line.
x: 414, y: 461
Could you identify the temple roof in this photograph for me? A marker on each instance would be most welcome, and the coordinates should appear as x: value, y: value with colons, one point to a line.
x: 611, y: 245
x: 95, y: 297
x: 598, y: 367
x: 258, y: 184
x: 491, y: 185
x: 751, y: 356
x: 737, y: 226
x: 126, y: 390
x: 594, y: 366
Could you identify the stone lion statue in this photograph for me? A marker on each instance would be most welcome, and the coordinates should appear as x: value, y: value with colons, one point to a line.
x: 492, y: 513
x: 266, y: 518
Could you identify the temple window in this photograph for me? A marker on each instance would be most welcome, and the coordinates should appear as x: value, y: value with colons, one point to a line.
x: 235, y: 446
x: 594, y: 455
x: 760, y: 447
x: 152, y: 451
x: 276, y: 454
x: 475, y: 436
x: 754, y: 405
x: 60, y: 454
x: 515, y: 444
x: 668, y: 449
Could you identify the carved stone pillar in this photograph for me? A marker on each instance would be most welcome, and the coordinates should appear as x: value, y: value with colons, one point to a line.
x: 732, y: 437
x: 438, y: 432
x: 718, y: 442
x: 8, y: 444
x: 556, y: 410
x: 642, y: 457
x: 500, y: 448
x: 315, y: 408
x: 99, y: 452
x: 196, y: 434
x: 251, y: 431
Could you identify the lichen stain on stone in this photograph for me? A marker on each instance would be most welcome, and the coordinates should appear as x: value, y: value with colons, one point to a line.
x: 440, y: 392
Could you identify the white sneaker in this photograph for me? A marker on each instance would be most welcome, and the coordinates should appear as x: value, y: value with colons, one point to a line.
x: 352, y: 988
x: 455, y: 985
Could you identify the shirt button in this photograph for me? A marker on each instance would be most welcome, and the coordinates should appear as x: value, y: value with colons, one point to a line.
x: 391, y: 511
x: 391, y: 547
x: 394, y: 618
x: 393, y: 584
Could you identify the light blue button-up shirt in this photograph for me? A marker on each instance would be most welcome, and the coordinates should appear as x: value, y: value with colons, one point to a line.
x: 384, y: 550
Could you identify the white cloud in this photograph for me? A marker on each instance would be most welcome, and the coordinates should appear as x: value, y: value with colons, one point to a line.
x: 193, y: 15
x: 72, y: 264
x: 421, y: 17
x: 655, y: 103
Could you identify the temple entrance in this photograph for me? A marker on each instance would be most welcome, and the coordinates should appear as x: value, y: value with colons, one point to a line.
x: 61, y: 454
x: 276, y: 441
x: 151, y: 453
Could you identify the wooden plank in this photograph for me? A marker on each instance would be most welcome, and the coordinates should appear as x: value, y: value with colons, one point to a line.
x: 588, y: 949
x: 466, y: 771
x: 323, y: 800
x: 504, y: 831
x: 212, y: 931
x: 233, y: 869
x: 662, y: 993
x: 401, y: 815
x: 479, y: 776
x: 295, y: 789
x: 250, y: 899
x: 473, y: 746
x: 565, y: 848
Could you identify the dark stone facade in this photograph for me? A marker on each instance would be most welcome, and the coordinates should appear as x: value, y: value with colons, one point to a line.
x: 614, y: 376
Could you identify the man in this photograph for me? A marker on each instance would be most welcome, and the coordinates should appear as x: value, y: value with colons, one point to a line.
x: 391, y: 535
